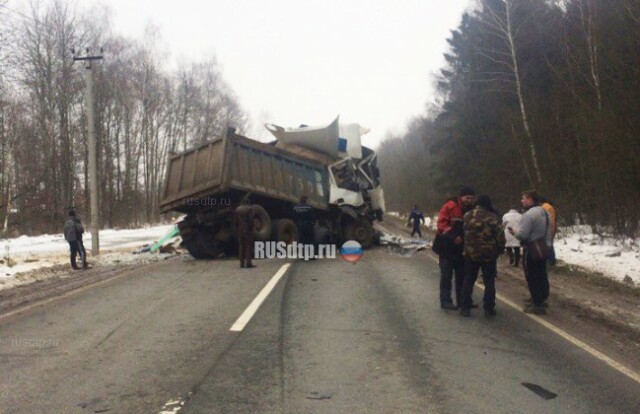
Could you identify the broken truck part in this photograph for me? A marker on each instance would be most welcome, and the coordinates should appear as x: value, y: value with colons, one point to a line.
x: 207, y: 183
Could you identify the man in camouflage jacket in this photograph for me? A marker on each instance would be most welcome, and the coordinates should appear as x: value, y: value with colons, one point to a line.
x: 484, y: 241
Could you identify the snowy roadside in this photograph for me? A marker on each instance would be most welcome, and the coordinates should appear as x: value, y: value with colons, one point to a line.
x: 27, y: 259
x: 577, y: 246
x: 614, y: 258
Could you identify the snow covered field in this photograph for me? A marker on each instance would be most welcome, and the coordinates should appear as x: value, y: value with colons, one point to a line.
x: 29, y: 253
x: 578, y: 246
x: 614, y: 258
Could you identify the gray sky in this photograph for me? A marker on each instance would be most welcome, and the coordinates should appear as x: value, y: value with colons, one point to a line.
x: 306, y: 61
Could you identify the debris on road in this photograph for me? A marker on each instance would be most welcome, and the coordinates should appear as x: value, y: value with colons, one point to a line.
x: 402, y: 245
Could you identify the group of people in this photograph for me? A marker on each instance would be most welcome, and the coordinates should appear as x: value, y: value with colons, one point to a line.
x: 471, y: 236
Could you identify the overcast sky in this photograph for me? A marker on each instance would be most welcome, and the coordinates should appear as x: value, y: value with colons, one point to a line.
x: 306, y: 61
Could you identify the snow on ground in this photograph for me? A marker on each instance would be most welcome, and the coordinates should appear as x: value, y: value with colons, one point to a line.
x: 615, y: 258
x: 29, y: 253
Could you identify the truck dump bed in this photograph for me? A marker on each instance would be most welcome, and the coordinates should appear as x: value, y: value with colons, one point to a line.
x: 238, y: 163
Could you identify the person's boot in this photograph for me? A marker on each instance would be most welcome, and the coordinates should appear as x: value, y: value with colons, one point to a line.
x: 534, y: 310
x: 466, y: 312
x: 489, y: 312
x: 250, y: 266
x: 448, y: 306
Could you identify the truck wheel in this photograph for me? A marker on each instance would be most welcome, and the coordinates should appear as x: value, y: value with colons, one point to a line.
x: 360, y: 231
x: 285, y: 230
x: 193, y: 247
x: 261, y: 223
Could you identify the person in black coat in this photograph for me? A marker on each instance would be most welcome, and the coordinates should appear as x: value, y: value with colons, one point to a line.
x: 73, y: 231
x: 418, y: 218
x: 305, y: 217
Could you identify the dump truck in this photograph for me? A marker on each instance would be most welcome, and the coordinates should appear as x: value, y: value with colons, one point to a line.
x: 208, y: 182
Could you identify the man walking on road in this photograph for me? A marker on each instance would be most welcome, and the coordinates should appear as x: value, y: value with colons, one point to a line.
x: 244, y: 228
x: 73, y: 235
x: 535, y: 230
x: 418, y: 218
x: 449, y: 244
x: 484, y: 241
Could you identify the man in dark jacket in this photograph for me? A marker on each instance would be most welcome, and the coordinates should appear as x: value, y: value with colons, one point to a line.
x: 73, y: 235
x: 81, y: 249
x: 449, y: 243
x: 484, y: 241
x: 418, y: 218
x: 305, y: 218
x: 244, y: 228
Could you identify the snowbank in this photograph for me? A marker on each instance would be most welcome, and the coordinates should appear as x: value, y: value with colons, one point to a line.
x: 618, y: 259
x: 30, y: 253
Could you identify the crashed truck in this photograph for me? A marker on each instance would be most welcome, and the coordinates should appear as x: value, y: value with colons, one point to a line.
x: 328, y: 164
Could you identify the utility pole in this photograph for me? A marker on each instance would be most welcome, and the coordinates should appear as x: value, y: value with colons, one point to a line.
x: 93, y: 159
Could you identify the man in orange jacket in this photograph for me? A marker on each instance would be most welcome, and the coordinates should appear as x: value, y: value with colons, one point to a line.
x: 451, y: 233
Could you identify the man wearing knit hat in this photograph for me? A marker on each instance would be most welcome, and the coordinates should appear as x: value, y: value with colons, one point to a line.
x: 449, y: 245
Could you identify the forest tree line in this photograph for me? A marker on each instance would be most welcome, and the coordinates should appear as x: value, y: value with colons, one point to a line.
x: 142, y: 112
x: 535, y: 94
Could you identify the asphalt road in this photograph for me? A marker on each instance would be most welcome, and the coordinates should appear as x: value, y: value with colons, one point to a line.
x: 332, y: 337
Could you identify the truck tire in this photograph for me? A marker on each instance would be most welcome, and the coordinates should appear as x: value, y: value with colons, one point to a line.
x: 285, y: 230
x: 200, y: 243
x: 360, y: 231
x: 261, y: 223
x: 193, y: 247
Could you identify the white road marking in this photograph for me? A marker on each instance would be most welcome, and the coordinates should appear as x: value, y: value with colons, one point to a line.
x: 594, y: 352
x: 567, y: 336
x: 174, y: 406
x: 248, y: 313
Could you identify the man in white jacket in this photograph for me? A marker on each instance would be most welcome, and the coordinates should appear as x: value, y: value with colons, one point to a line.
x: 512, y: 219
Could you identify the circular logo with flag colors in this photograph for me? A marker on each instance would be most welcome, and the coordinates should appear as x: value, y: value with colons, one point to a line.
x: 351, y: 251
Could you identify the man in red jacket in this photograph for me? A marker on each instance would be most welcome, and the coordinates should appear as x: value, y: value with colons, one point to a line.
x: 451, y: 233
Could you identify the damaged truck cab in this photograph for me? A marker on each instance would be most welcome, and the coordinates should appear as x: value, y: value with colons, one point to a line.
x: 327, y: 164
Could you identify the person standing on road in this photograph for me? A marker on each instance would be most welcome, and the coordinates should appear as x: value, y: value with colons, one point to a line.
x: 554, y: 228
x: 418, y: 218
x: 448, y: 245
x: 535, y: 233
x: 72, y: 230
x: 244, y: 228
x: 512, y: 219
x: 484, y: 241
x: 305, y: 218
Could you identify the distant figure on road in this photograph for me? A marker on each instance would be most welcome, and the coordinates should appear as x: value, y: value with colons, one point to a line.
x: 305, y: 218
x: 73, y: 235
x: 512, y: 219
x: 244, y: 228
x: 418, y: 218
x: 448, y: 246
x: 484, y: 241
x: 535, y: 229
